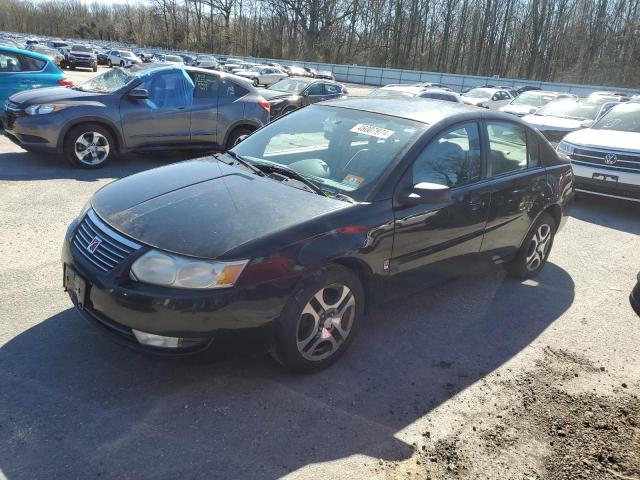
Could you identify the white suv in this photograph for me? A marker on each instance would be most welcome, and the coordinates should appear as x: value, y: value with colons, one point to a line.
x: 491, y: 98
x: 121, y: 58
x: 606, y: 156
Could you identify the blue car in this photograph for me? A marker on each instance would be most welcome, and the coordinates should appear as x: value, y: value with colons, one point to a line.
x: 23, y: 70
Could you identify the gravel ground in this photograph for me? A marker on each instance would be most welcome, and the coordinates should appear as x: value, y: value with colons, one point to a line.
x: 482, y: 377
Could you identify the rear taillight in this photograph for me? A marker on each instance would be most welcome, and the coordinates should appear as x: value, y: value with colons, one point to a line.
x: 266, y: 105
x: 65, y: 82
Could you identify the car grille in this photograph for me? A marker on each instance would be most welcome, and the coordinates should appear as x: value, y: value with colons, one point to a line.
x: 112, y: 248
x: 623, y: 160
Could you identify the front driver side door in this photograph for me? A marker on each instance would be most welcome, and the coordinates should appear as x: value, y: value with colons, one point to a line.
x: 434, y: 238
x: 164, y: 119
x: 314, y: 93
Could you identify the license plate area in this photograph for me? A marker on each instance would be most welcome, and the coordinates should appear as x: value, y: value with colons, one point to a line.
x: 604, y: 177
x: 75, y: 284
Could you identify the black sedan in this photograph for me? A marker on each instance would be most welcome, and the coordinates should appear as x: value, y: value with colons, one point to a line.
x: 635, y: 297
x: 290, y: 94
x: 310, y: 219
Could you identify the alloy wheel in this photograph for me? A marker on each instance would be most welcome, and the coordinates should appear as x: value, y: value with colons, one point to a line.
x: 91, y: 148
x: 538, y: 247
x: 325, y: 322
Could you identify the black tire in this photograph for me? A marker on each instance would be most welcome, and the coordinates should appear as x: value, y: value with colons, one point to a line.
x: 103, y: 137
x: 72, y: 67
x: 255, y: 82
x: 324, y: 337
x: 121, y: 63
x: 110, y: 64
x: 237, y: 136
x: 95, y: 68
x: 532, y: 256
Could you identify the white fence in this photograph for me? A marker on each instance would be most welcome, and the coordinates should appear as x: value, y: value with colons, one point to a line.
x: 383, y: 76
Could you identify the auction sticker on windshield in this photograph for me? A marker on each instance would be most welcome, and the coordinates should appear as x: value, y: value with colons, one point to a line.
x: 372, y: 131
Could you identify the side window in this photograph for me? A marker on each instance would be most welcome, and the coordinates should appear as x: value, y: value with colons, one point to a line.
x: 496, y: 96
x: 9, y: 62
x: 30, y: 64
x: 451, y: 159
x: 507, y: 147
x: 332, y: 89
x: 205, y: 86
x: 316, y: 89
x: 533, y: 150
x: 230, y: 91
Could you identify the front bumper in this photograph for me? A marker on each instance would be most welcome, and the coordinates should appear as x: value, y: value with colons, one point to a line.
x: 32, y: 132
x: 618, y: 183
x: 81, y: 62
x: 118, y: 304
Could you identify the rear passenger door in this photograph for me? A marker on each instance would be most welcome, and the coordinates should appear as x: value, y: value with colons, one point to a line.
x: 231, y: 108
x: 204, y: 112
x: 518, y: 185
x: 18, y: 72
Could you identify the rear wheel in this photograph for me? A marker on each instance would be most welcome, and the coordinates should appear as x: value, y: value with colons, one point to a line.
x: 535, y: 250
x: 255, y: 82
x: 89, y: 146
x: 319, y: 321
x: 121, y: 63
x: 237, y: 136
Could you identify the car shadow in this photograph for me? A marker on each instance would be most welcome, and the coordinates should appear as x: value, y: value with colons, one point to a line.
x: 75, y: 405
x: 607, y: 212
x: 24, y: 166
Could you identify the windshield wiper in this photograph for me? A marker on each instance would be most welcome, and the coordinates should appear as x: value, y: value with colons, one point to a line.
x: 239, y: 159
x: 288, y: 172
x: 339, y: 196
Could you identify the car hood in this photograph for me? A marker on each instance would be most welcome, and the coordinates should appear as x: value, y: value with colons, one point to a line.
x: 518, y: 109
x: 606, y: 139
x: 204, y: 208
x: 51, y: 95
x: 544, y: 122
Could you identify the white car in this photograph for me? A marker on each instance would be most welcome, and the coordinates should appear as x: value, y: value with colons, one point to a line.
x: 485, y: 97
x: 163, y: 58
x: 561, y: 117
x: 529, y: 102
x: 606, y: 157
x: 121, y: 58
x: 262, y: 75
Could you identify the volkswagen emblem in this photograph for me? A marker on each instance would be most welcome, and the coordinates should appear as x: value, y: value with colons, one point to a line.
x: 94, y: 244
x: 610, y: 158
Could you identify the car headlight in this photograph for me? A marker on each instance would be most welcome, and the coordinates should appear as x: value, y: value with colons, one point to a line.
x: 566, y: 148
x: 168, y: 270
x: 44, y: 108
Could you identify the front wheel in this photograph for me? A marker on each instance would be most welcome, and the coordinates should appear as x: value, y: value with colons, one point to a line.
x: 95, y: 68
x: 255, y: 82
x: 110, y: 64
x: 121, y: 63
x: 319, y: 321
x: 535, y: 250
x: 89, y: 146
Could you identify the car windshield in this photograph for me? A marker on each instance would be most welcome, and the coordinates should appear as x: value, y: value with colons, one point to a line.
x: 108, y: 82
x: 81, y: 48
x: 533, y: 99
x: 623, y: 118
x: 208, y: 59
x: 480, y: 93
x: 340, y: 150
x: 289, y: 85
x: 127, y: 54
x: 571, y: 109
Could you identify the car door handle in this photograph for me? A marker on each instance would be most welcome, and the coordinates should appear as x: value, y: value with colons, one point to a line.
x: 476, y: 203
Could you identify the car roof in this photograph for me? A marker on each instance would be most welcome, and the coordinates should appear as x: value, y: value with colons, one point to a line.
x: 409, y: 108
x: 25, y: 52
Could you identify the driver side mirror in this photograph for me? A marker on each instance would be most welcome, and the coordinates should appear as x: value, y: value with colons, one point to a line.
x: 138, y: 94
x: 425, y: 193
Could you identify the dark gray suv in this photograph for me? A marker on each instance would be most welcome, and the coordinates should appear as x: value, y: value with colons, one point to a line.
x: 142, y: 108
